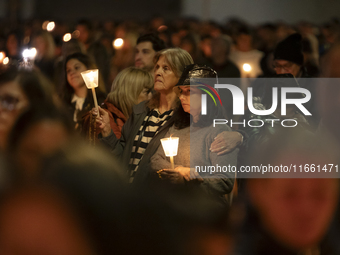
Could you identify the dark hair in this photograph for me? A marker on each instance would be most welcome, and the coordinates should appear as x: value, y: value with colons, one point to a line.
x: 157, y: 43
x: 269, y: 26
x: 36, y: 87
x: 244, y: 30
x: 68, y: 91
x: 86, y: 23
x: 183, y: 119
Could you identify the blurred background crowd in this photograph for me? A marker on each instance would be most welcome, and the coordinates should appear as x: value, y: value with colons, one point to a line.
x: 64, y: 187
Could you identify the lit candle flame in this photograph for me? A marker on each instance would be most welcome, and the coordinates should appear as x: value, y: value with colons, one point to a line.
x: 90, y: 78
x: 2, y: 56
x: 6, y: 61
x: 50, y: 26
x: 246, y: 67
x: 118, y: 43
x: 67, y: 37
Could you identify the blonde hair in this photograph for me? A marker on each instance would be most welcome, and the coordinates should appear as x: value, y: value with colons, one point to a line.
x: 177, y: 59
x: 127, y: 87
x: 49, y: 44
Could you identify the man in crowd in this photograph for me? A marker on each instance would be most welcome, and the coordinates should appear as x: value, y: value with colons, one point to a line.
x: 220, y: 49
x: 147, y: 47
x: 288, y: 56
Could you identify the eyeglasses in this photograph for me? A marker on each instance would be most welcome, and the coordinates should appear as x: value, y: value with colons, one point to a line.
x: 8, y: 103
x: 285, y: 67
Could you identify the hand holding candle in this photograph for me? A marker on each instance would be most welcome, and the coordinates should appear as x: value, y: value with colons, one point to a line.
x: 170, y: 147
x: 91, y: 80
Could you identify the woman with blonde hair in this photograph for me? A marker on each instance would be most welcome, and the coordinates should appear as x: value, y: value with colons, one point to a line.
x: 45, y: 46
x: 131, y: 86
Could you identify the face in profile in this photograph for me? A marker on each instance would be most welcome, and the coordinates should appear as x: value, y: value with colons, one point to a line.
x: 12, y: 102
x: 73, y: 69
x: 296, y: 212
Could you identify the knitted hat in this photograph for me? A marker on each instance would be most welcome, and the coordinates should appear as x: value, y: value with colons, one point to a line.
x: 290, y: 49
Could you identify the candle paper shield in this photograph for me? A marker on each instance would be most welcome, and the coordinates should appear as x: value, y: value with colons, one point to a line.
x: 91, y: 78
x: 170, y: 146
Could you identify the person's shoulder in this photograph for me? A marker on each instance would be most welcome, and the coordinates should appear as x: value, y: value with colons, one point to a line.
x: 256, y: 53
x: 217, y: 129
x: 141, y: 107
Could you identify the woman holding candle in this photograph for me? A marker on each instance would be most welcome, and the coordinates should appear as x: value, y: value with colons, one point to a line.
x: 75, y: 94
x: 131, y: 86
x: 194, y: 156
x: 151, y: 120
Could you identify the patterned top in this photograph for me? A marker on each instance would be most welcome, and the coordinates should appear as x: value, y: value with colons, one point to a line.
x: 151, y: 124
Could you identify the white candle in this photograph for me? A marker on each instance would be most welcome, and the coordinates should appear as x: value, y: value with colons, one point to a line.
x: 170, y: 147
x: 91, y: 81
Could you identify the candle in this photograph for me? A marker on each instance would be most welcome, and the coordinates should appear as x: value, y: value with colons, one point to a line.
x: 170, y: 147
x: 67, y: 37
x: 247, y: 68
x: 2, y: 56
x: 29, y: 56
x: 118, y: 43
x: 91, y: 81
x: 6, y: 61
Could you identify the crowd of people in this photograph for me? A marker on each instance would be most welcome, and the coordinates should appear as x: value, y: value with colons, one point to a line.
x: 80, y: 179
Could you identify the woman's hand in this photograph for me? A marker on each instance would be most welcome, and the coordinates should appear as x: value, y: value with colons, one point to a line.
x: 226, y: 142
x: 103, y: 121
x: 178, y: 174
x: 171, y: 175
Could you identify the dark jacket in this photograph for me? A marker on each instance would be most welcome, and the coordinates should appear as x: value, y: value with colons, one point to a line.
x: 122, y: 147
x: 87, y: 106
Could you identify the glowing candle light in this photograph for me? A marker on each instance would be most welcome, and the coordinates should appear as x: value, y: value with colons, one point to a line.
x: 44, y: 25
x: 67, y: 37
x: 75, y: 34
x: 118, y: 43
x: 29, y: 54
x: 246, y: 67
x: 50, y: 26
x: 6, y: 61
x: 91, y: 81
x: 2, y: 56
x: 170, y: 147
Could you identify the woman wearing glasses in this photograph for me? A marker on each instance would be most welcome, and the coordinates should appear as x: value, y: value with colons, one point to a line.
x: 18, y: 91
